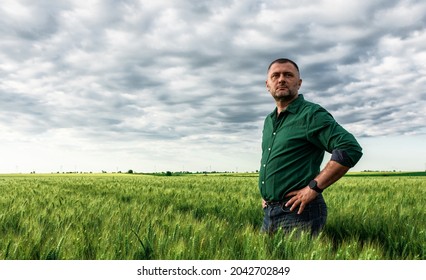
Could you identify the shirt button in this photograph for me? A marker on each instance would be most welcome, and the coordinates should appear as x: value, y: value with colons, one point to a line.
x: 264, y: 165
x: 274, y: 133
x: 269, y: 149
x: 263, y: 182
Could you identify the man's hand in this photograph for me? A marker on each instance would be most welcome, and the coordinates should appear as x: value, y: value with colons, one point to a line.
x: 332, y: 172
x: 300, y: 198
x: 263, y: 204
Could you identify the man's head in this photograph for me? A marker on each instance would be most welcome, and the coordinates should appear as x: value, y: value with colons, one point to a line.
x: 284, y: 60
x: 283, y: 81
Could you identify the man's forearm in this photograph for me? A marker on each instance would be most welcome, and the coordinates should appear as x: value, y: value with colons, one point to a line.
x: 332, y: 172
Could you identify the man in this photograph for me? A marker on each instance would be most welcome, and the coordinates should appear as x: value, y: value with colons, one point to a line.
x: 295, y: 136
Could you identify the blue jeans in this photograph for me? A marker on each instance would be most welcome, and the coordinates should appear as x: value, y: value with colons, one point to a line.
x: 312, y: 218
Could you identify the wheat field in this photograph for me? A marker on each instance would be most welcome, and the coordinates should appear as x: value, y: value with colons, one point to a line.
x: 201, y: 217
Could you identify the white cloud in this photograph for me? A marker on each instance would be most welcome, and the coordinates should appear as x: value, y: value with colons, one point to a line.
x: 171, y: 84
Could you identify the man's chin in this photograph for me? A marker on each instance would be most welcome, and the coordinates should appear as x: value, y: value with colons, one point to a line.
x: 284, y: 97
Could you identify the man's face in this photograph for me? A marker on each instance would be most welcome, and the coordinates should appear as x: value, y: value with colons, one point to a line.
x: 283, y: 81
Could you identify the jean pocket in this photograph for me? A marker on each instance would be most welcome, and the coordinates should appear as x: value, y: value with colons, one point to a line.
x: 285, y: 209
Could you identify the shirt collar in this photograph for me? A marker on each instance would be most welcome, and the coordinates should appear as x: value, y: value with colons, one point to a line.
x: 293, y: 107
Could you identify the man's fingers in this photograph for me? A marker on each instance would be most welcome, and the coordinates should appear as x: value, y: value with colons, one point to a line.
x: 295, y: 203
x: 293, y: 193
x: 291, y: 201
x: 301, y: 208
x: 296, y: 200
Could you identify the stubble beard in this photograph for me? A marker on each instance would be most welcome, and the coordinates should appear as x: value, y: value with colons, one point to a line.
x: 285, y: 97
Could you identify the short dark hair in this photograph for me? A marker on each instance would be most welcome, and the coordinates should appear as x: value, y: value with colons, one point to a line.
x: 284, y: 60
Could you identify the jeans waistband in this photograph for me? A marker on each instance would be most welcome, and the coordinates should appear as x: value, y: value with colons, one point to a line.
x: 277, y: 202
x: 284, y: 201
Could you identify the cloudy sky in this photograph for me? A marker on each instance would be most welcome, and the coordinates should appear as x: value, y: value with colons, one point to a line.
x: 180, y: 85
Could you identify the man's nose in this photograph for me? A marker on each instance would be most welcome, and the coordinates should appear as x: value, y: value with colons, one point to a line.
x: 281, y: 78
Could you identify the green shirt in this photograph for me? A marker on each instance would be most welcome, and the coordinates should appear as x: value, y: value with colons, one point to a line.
x: 293, y: 146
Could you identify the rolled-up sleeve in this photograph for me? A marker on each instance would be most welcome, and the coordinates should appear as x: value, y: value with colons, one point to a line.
x: 324, y: 131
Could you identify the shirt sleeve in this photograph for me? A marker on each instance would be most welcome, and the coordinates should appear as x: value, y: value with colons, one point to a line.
x: 324, y: 132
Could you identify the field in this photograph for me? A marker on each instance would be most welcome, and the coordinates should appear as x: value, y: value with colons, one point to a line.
x: 198, y: 217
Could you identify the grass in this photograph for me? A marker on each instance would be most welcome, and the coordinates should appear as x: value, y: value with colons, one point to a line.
x: 123, y: 217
